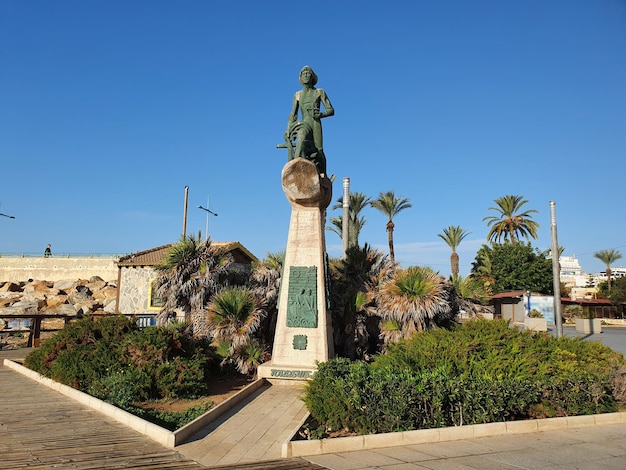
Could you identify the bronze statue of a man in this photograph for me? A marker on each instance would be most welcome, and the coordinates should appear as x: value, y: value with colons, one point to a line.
x: 303, y: 138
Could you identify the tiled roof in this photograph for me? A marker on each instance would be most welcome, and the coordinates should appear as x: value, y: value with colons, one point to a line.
x: 508, y: 295
x: 150, y: 257
x: 155, y: 256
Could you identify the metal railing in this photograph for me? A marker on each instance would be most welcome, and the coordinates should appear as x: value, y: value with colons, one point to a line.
x: 62, y: 255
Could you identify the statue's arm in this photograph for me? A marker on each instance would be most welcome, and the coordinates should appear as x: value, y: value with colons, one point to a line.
x: 328, y: 107
x: 293, y: 115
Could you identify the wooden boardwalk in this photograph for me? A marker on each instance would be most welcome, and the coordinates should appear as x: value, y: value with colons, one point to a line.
x: 42, y: 429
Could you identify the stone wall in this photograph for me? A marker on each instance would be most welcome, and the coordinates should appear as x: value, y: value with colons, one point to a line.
x: 134, y: 290
x: 21, y: 269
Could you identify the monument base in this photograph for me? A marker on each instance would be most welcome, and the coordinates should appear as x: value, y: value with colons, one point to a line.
x: 303, y: 335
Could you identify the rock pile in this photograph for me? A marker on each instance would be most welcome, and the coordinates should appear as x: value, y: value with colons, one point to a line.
x: 63, y: 298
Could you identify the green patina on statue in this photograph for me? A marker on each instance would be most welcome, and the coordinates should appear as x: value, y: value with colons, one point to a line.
x: 303, y: 138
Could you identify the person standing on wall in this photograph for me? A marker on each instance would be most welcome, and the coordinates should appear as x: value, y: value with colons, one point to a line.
x: 48, y: 252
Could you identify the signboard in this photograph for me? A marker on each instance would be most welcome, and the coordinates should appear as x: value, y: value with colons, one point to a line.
x: 544, y: 303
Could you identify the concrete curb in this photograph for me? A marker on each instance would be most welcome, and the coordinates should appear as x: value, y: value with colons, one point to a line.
x: 425, y: 436
x: 156, y: 433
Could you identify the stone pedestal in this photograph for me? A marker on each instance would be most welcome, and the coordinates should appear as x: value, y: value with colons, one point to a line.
x: 303, y: 329
x: 589, y: 326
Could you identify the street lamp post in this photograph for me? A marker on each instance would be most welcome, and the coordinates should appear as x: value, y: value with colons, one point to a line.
x: 208, y: 211
x: 9, y: 216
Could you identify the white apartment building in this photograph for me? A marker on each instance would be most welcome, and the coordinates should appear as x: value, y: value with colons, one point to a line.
x: 573, y: 276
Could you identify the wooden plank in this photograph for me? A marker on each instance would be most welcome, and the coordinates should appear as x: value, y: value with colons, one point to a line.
x: 42, y: 429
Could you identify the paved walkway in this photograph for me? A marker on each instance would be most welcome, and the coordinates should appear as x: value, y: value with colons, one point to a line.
x: 252, y: 432
x: 60, y: 433
x: 589, y: 448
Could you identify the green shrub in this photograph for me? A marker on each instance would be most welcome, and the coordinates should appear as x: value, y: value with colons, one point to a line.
x: 82, y: 352
x: 177, y: 363
x: 122, y: 388
x: 173, y: 420
x: 181, y: 378
x: 114, y: 360
x: 480, y: 372
x: 364, y: 399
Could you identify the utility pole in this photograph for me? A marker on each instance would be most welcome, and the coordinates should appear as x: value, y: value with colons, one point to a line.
x: 556, y: 272
x: 345, y: 229
x: 185, y: 212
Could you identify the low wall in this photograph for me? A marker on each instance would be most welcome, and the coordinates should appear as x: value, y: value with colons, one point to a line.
x: 18, y: 269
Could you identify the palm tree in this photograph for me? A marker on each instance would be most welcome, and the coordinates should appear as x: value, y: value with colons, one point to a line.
x: 358, y: 201
x: 265, y: 286
x: 232, y: 319
x: 472, y: 295
x: 415, y: 299
x: 510, y: 224
x: 390, y: 205
x: 608, y: 257
x: 453, y: 236
x: 190, y: 274
x: 353, y: 280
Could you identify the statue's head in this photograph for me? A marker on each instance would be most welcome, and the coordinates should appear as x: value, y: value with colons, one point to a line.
x: 313, y: 76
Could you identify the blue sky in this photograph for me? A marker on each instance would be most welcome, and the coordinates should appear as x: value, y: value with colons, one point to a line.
x: 109, y: 108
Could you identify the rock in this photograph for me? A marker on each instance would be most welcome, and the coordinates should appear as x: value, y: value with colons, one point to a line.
x: 7, y: 299
x: 37, y: 286
x: 110, y: 306
x: 66, y: 309
x: 63, y: 285
x: 53, y: 301
x: 105, y: 294
x: 20, y: 308
x: 87, y: 307
x: 72, y: 298
x: 10, y: 287
x: 80, y: 293
x: 96, y: 285
x: 39, y: 299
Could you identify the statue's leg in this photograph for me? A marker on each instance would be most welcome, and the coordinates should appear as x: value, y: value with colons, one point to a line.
x: 320, y: 161
x: 301, y: 140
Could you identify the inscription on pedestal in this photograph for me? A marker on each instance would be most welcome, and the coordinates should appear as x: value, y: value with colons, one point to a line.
x: 302, y: 297
x: 290, y: 374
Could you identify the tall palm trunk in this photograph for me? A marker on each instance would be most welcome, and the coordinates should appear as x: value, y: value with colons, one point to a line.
x: 454, y: 264
x: 390, y: 226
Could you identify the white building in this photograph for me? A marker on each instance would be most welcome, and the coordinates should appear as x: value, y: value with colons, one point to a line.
x: 572, y: 274
x: 601, y: 276
x: 574, y: 277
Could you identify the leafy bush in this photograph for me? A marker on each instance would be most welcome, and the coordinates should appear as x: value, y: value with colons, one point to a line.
x: 122, y: 388
x: 112, y: 359
x: 483, y: 371
x: 82, y: 352
x: 177, y: 363
x: 173, y: 420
